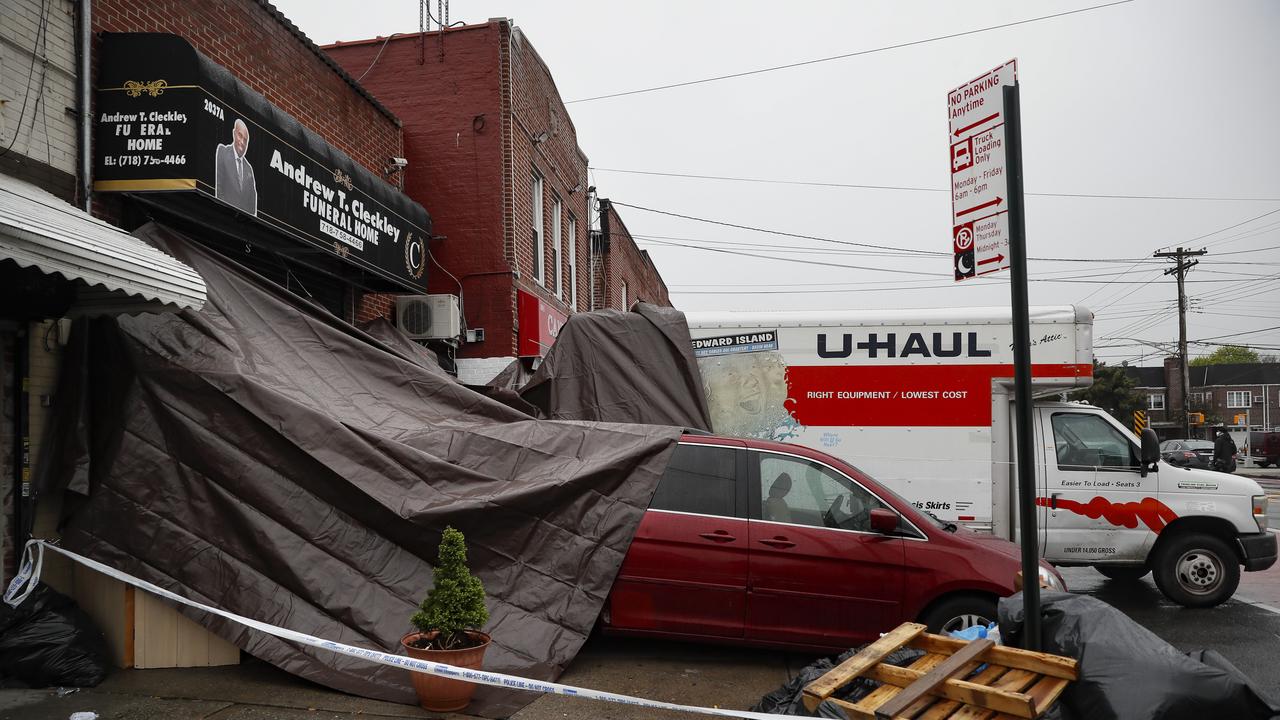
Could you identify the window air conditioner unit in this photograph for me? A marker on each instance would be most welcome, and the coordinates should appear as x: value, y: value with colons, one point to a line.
x: 429, y: 317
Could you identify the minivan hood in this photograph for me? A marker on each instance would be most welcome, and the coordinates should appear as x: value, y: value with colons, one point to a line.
x: 988, y: 541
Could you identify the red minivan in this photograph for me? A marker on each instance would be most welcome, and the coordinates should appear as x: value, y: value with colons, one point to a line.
x: 770, y: 544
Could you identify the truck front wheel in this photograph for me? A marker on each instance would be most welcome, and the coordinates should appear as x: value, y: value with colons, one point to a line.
x: 1197, y: 570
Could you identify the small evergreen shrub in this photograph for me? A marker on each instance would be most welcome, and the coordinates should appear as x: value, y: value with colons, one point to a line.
x: 455, y: 602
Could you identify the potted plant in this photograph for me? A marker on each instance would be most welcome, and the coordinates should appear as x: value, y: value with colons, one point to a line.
x: 447, y: 627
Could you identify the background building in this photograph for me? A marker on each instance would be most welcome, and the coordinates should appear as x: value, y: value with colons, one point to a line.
x: 489, y: 140
x: 1239, y: 396
x: 621, y: 273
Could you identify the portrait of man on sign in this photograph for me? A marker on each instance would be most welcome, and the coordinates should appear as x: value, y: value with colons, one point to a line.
x: 233, y: 181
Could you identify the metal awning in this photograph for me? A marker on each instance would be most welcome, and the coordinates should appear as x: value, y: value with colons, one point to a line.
x: 120, y: 272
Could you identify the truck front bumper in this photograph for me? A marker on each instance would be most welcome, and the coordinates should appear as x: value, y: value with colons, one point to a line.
x: 1258, y: 550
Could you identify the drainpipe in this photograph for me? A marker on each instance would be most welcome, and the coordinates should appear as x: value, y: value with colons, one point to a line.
x: 86, y: 108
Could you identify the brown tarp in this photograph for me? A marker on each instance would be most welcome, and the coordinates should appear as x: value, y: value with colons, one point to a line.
x: 266, y: 458
x: 619, y: 366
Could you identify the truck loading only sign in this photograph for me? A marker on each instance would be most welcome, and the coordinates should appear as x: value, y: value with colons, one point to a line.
x: 979, y: 173
x: 170, y: 119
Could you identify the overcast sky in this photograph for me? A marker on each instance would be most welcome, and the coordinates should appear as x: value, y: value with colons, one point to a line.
x: 1177, y: 99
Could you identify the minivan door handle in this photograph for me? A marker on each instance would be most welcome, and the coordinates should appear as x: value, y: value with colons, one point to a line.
x: 717, y: 536
x: 778, y: 542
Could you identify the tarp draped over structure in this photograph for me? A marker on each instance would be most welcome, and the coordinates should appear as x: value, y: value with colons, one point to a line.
x: 619, y: 366
x: 266, y: 458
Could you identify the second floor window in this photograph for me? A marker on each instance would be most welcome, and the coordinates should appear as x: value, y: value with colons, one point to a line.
x: 557, y: 246
x: 1155, y: 401
x: 539, y: 240
x: 1239, y: 398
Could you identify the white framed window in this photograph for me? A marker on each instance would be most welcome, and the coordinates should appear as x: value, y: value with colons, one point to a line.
x: 573, y: 261
x: 539, y: 241
x: 1155, y: 401
x: 625, y: 304
x: 557, y: 245
x: 1201, y: 398
x: 1239, y: 398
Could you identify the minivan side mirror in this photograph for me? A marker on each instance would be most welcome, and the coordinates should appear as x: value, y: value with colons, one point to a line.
x: 1150, y: 451
x: 884, y: 521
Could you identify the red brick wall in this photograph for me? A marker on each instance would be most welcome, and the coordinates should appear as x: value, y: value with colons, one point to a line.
x: 470, y: 111
x: 251, y: 42
x: 625, y: 262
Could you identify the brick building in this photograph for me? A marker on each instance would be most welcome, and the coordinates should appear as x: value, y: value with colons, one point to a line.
x: 622, y: 274
x: 1239, y: 396
x: 489, y: 140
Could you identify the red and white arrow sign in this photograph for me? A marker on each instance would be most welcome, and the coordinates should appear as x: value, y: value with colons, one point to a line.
x: 979, y: 186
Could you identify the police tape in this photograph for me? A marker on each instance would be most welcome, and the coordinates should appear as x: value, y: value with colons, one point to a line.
x: 33, y: 560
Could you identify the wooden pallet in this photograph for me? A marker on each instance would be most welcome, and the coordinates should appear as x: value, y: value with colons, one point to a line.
x: 946, y: 681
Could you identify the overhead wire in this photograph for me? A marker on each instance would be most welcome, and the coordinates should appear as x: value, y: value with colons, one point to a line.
x: 912, y: 188
x: 843, y: 56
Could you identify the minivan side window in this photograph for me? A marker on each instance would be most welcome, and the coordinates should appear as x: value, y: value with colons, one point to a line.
x: 700, y: 479
x: 802, y: 492
x: 1087, y: 442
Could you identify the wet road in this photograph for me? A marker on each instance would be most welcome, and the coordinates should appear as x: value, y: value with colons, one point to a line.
x: 1247, y: 635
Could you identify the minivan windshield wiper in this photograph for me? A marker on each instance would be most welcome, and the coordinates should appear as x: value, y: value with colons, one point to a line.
x: 947, y: 526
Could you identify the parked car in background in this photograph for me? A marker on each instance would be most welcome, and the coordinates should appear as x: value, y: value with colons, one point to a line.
x: 1264, y: 448
x: 766, y: 543
x: 1188, y: 453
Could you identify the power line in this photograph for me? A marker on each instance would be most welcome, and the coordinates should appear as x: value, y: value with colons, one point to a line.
x: 1232, y: 227
x: 910, y: 188
x: 801, y: 236
x: 780, y: 232
x: 843, y: 56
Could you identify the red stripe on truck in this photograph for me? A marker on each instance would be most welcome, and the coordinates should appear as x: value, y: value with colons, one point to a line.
x: 1153, y: 513
x: 902, y: 395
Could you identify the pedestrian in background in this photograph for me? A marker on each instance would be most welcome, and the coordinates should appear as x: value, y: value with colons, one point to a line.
x: 1224, y: 452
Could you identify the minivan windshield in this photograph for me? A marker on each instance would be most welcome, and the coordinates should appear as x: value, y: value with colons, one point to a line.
x: 883, y: 490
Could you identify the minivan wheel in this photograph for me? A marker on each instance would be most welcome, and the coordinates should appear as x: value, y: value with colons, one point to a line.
x: 1197, y: 570
x: 1123, y: 573
x: 959, y: 613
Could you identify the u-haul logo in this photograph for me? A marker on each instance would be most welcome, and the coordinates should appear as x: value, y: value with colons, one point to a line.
x: 897, y: 345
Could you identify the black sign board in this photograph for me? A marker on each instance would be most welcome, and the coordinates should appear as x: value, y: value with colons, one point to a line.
x: 170, y: 119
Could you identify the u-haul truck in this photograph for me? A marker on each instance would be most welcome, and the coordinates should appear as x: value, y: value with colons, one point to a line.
x: 922, y: 401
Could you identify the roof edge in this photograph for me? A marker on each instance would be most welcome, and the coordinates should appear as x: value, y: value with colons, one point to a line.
x: 324, y: 57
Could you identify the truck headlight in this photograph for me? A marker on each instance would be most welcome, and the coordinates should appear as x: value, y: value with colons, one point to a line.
x: 1049, y: 578
x: 1260, y: 511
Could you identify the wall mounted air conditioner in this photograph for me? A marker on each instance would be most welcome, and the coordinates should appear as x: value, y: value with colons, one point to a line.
x: 429, y: 317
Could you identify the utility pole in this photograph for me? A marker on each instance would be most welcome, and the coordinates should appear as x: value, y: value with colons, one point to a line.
x: 1181, y: 265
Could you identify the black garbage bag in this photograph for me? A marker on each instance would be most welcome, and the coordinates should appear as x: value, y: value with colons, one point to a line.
x: 787, y: 700
x: 1126, y: 671
x: 48, y: 640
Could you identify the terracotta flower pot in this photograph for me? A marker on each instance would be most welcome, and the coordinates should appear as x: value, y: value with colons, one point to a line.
x: 440, y: 694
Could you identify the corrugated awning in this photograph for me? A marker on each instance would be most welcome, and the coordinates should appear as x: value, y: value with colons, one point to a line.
x: 123, y: 274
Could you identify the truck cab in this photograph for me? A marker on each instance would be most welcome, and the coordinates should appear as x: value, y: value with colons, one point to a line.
x: 1102, y: 502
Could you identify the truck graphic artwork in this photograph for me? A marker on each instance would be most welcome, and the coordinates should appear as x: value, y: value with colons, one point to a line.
x: 1153, y: 513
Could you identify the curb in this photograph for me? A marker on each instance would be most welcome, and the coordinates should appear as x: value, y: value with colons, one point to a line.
x: 1259, y: 605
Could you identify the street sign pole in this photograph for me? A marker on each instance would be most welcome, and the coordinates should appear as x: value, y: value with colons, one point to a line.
x: 1022, y: 372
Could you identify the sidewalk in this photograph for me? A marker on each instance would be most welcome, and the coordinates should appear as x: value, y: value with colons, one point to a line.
x: 252, y: 689
x: 708, y: 676
x: 1268, y: 478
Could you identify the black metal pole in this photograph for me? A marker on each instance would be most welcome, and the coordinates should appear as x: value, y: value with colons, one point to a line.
x: 1022, y: 373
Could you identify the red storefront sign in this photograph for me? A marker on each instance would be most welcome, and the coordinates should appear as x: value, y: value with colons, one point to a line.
x: 540, y: 323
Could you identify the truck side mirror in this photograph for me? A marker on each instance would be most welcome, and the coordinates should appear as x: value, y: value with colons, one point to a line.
x: 1150, y: 450
x: 884, y: 521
